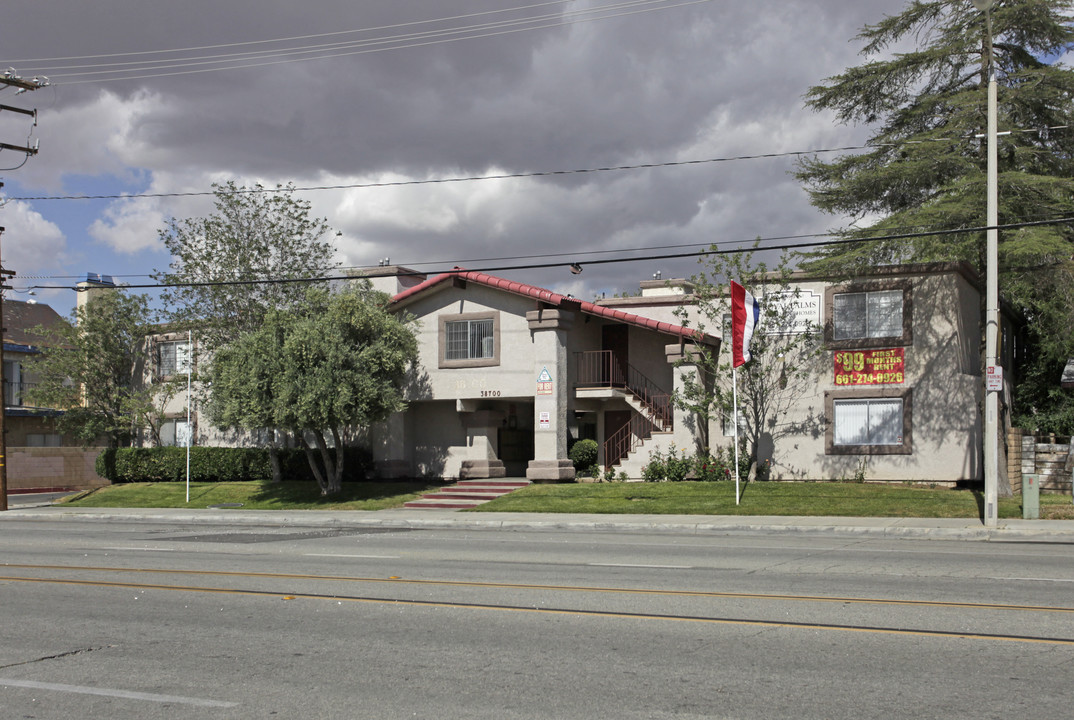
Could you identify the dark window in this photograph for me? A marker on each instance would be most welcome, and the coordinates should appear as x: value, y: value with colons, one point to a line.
x: 867, y: 315
x: 876, y: 314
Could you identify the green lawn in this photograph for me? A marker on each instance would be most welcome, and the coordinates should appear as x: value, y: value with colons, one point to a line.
x: 254, y: 495
x: 764, y: 498
x: 685, y: 498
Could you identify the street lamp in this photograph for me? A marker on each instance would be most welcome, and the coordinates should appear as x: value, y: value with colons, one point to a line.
x: 993, y: 371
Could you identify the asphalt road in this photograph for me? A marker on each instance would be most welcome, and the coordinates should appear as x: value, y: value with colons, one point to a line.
x: 142, y: 620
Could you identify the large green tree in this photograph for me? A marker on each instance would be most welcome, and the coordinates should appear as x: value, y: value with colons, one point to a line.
x: 93, y: 369
x: 256, y: 234
x: 340, y: 361
x: 922, y: 92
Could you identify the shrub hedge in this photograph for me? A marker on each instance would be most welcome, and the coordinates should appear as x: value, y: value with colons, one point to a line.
x: 218, y: 464
x: 584, y: 455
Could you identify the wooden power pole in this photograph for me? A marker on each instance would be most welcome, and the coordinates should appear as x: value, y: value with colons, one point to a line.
x: 4, y: 275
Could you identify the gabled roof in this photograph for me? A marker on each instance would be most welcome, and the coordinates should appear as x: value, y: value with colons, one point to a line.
x: 20, y: 317
x: 549, y: 299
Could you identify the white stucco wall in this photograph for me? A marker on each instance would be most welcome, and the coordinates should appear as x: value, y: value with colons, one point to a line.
x: 942, y: 373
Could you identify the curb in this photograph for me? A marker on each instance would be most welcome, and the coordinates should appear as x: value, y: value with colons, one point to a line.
x: 1055, y: 531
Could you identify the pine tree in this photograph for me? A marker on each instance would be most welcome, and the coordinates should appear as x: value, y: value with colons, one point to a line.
x: 923, y: 91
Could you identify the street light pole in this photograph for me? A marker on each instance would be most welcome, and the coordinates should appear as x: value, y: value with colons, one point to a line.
x: 992, y: 367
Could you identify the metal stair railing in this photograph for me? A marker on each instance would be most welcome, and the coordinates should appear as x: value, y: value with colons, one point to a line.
x: 625, y: 440
x: 598, y: 368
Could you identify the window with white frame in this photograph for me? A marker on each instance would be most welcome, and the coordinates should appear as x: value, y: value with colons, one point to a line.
x: 470, y: 340
x: 875, y: 314
x: 174, y: 432
x: 174, y: 357
x: 868, y: 424
x: 728, y: 424
x: 871, y: 421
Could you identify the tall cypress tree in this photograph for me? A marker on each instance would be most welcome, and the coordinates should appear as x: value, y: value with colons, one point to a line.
x: 922, y: 89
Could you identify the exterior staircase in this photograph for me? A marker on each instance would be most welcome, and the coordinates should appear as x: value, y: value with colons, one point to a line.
x: 638, y: 456
x: 466, y: 494
x: 650, y: 424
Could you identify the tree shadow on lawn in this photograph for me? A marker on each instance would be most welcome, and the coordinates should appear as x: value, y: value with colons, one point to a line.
x: 308, y: 492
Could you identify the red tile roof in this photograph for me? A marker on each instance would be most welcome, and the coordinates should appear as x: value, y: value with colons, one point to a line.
x: 554, y: 299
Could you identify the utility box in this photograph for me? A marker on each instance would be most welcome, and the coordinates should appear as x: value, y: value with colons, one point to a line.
x: 1031, y: 497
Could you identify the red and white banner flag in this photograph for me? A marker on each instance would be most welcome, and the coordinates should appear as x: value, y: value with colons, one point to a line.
x: 745, y: 312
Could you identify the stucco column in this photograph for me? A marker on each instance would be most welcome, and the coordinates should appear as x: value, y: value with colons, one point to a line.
x: 689, y: 431
x: 551, y: 399
x: 481, y: 441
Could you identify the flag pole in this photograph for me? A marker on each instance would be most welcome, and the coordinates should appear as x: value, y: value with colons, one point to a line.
x: 189, y: 433
x: 734, y: 416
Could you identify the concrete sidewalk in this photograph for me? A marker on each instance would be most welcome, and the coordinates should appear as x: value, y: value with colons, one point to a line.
x: 1051, y: 531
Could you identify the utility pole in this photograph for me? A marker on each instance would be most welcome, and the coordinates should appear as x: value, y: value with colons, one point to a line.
x: 993, y: 370
x: 8, y: 78
x: 4, y: 274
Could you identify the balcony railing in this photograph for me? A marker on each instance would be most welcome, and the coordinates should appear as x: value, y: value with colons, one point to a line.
x: 601, y: 369
x: 15, y: 393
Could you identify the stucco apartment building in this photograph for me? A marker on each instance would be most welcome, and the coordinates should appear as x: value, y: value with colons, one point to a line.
x: 510, y: 371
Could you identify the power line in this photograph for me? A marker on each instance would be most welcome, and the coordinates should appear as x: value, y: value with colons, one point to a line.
x: 285, y: 39
x: 532, y: 174
x: 236, y: 61
x: 598, y: 261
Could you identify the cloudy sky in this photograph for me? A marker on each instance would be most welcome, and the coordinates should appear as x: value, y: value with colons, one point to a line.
x: 405, y: 90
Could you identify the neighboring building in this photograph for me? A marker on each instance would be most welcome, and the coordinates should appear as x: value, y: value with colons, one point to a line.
x: 171, y: 357
x: 26, y: 425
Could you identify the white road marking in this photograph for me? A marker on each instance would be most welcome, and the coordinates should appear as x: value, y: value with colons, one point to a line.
x: 631, y: 565
x: 107, y: 692
x: 341, y: 555
x: 144, y: 549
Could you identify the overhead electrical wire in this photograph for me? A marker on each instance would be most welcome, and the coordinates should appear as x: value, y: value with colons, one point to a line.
x: 522, y: 175
x: 293, y: 37
x: 157, y: 66
x: 712, y: 250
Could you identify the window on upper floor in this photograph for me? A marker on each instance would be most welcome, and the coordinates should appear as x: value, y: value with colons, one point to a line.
x: 173, y: 357
x: 470, y: 340
x: 867, y: 314
x: 874, y: 314
x: 12, y: 383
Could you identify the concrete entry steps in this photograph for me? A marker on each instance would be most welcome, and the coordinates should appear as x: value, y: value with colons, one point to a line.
x: 466, y: 494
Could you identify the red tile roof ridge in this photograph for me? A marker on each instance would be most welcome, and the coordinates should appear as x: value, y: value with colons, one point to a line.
x: 554, y: 298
